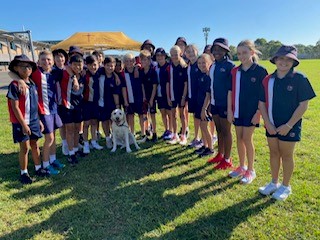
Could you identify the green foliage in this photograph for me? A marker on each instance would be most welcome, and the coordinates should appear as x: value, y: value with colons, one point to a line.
x: 162, y: 192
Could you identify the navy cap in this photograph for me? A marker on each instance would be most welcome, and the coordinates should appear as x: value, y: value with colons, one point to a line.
x: 75, y: 49
x: 147, y: 42
x: 287, y: 51
x: 21, y: 58
x: 182, y: 39
x: 161, y: 51
x: 59, y: 50
x: 221, y: 42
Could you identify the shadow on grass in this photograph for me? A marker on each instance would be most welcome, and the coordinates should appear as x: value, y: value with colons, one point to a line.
x: 124, y: 196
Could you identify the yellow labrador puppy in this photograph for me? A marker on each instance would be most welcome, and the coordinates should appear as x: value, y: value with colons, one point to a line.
x: 121, y: 134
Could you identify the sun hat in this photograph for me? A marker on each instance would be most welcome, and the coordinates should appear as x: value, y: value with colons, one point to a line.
x: 181, y: 39
x: 287, y: 51
x: 21, y: 58
x: 60, y: 50
x: 75, y: 49
x: 221, y: 42
x: 147, y: 42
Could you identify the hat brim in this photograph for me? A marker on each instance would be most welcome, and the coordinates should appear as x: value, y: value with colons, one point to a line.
x: 15, y: 62
x: 65, y: 54
x: 225, y: 47
x: 289, y: 55
x: 143, y: 45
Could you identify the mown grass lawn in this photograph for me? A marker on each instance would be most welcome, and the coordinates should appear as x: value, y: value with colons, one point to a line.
x: 162, y: 192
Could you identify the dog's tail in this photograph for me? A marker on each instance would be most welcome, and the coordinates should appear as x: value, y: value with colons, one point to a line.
x: 142, y: 140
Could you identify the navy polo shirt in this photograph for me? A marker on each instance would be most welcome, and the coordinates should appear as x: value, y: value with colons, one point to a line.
x: 164, y: 78
x: 288, y: 92
x: 148, y: 80
x: 179, y: 78
x: 110, y: 88
x: 222, y: 81
x: 195, y: 75
x: 136, y: 87
x: 203, y: 86
x: 250, y: 84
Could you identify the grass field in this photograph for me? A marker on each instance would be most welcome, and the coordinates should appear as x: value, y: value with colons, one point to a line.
x: 162, y: 192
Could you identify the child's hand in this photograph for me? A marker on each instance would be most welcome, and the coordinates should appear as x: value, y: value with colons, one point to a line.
x: 22, y: 87
x: 169, y: 102
x: 283, y: 130
x: 271, y: 129
x: 204, y: 115
x: 230, y: 117
x: 150, y: 103
x: 26, y: 130
x: 183, y: 102
x: 255, y: 119
x: 76, y: 85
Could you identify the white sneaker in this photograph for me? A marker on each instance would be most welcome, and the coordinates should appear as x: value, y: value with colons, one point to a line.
x: 175, y: 139
x: 269, y: 188
x: 183, y: 140
x: 248, y: 177
x: 282, y: 193
x: 214, y: 139
x: 86, y: 149
x: 65, y: 149
x: 96, y: 145
x: 109, y: 142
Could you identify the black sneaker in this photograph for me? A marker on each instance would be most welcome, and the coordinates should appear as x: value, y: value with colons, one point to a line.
x: 72, y: 159
x: 154, y: 137
x: 206, y: 152
x: 200, y: 150
x: 80, y: 154
x: 25, y: 179
x: 42, y: 172
x: 81, y: 141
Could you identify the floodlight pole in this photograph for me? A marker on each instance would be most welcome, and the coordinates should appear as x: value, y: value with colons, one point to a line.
x: 206, y: 31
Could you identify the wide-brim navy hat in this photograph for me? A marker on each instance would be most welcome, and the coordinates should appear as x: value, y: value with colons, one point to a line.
x: 221, y: 42
x: 287, y: 51
x: 59, y: 50
x: 147, y: 42
x: 21, y: 58
x: 75, y: 49
x: 181, y: 39
x: 161, y: 51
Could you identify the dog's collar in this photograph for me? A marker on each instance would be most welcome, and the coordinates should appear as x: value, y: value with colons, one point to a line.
x: 122, y: 125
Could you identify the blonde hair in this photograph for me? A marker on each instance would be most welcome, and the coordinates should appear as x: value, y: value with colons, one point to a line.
x: 177, y: 49
x: 145, y: 54
x: 45, y: 52
x: 193, y: 47
x: 206, y: 56
x: 128, y: 56
x: 250, y: 45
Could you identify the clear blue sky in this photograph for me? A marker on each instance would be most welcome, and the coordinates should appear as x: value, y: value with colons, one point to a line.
x: 289, y: 21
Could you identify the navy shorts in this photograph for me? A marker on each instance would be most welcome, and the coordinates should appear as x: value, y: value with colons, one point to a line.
x: 89, y: 111
x: 219, y: 110
x: 294, y: 135
x: 244, y: 122
x: 163, y: 103
x: 192, y: 105
x: 134, y: 108
x: 104, y: 113
x: 153, y: 109
x: 18, y: 135
x: 51, y: 122
x: 70, y: 115
x: 178, y: 104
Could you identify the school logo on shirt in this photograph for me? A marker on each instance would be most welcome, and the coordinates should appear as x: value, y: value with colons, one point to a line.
x: 292, y: 134
x: 201, y: 80
x: 222, y: 70
x: 197, y: 70
x: 180, y: 73
x: 289, y: 88
x: 253, y: 79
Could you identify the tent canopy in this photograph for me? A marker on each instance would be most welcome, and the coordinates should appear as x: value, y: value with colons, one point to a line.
x: 99, y: 41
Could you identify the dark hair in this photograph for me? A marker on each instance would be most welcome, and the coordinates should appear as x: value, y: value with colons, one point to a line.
x: 91, y: 59
x: 97, y: 53
x: 109, y: 59
x: 118, y: 60
x: 76, y: 58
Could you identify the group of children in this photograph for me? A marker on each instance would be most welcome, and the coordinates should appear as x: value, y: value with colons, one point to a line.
x: 73, y: 97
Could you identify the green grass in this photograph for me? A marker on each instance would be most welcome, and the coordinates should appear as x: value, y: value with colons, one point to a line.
x: 162, y: 192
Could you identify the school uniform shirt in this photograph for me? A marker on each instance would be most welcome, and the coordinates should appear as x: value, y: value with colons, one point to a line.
x: 283, y: 96
x: 67, y: 97
x: 202, y: 87
x: 28, y: 103
x: 133, y: 86
x: 91, y: 87
x: 148, y: 80
x: 47, y: 90
x: 194, y: 75
x: 178, y: 77
x: 163, y: 78
x: 245, y: 90
x: 107, y: 88
x: 221, y: 80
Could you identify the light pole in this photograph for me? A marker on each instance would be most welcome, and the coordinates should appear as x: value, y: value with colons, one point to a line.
x: 206, y: 31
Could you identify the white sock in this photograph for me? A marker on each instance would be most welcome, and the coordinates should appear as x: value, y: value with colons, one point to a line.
x: 23, y: 171
x: 93, y: 142
x: 64, y: 142
x: 71, y: 152
x: 75, y: 149
x: 227, y: 159
x: 37, y: 167
x: 52, y: 157
x: 86, y: 143
x: 45, y: 164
